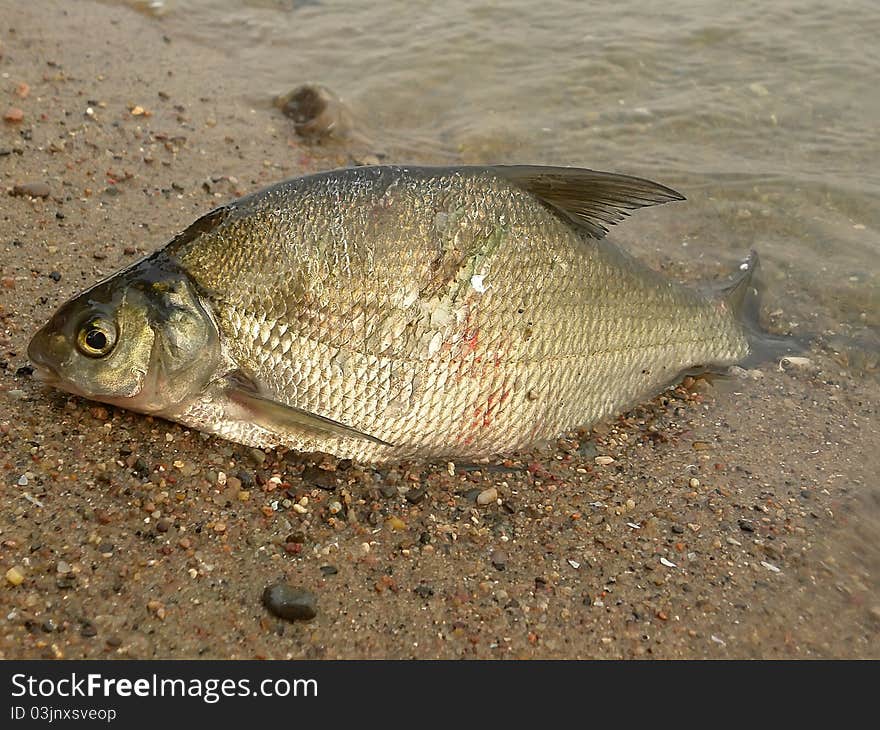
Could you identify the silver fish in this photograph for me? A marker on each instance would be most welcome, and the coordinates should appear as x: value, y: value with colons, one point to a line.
x: 386, y: 312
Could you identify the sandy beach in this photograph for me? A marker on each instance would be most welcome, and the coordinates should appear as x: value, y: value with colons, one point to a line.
x: 732, y: 518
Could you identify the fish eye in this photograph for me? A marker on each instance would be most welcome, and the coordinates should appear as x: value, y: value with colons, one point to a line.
x: 96, y: 338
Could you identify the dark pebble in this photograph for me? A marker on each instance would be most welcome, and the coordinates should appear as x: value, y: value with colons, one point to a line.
x: 298, y: 537
x: 55, y: 276
x: 88, y: 629
x: 25, y: 371
x: 320, y: 478
x: 471, y: 495
x: 678, y: 529
x: 49, y: 626
x: 329, y: 570
x: 414, y: 496
x: 316, y: 112
x: 746, y: 526
x: 388, y: 490
x: 32, y: 189
x: 114, y: 642
x: 290, y: 603
x: 423, y: 591
x: 499, y: 559
x: 163, y: 525
x: 247, y: 479
x: 65, y: 583
x: 588, y: 449
x: 141, y: 468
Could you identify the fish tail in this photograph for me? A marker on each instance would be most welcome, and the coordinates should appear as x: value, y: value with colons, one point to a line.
x: 742, y: 297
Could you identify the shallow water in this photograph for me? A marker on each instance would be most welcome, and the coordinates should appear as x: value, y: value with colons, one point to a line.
x: 765, y: 117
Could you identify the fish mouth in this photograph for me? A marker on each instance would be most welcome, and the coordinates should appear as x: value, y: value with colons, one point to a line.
x: 45, y: 374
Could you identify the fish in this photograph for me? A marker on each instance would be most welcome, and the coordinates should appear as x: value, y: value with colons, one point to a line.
x: 385, y: 312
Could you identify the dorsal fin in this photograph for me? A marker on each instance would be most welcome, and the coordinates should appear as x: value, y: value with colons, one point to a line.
x: 592, y: 200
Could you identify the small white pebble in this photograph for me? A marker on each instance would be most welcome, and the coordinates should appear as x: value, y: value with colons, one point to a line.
x: 694, y: 483
x: 795, y: 363
x: 604, y: 460
x: 667, y: 563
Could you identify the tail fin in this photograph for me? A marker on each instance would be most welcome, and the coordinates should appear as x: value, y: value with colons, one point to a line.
x: 743, y: 297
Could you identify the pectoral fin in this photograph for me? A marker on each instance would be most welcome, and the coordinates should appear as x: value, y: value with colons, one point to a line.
x: 280, y: 417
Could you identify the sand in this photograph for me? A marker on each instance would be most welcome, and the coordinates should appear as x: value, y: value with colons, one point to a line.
x: 731, y: 518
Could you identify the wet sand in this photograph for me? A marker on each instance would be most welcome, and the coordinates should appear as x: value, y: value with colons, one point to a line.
x: 738, y: 517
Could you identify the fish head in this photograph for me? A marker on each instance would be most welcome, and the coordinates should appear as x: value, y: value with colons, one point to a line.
x: 141, y: 339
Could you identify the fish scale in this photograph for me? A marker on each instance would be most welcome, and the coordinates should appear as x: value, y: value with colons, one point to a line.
x: 568, y: 331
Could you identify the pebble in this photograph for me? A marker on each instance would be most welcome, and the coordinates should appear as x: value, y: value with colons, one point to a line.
x: 395, y: 523
x: 320, y: 478
x: 290, y: 602
x: 32, y: 189
x: 694, y: 483
x: 63, y: 567
x: 487, y: 496
x: 13, y: 115
x: 795, y: 363
x: 328, y: 570
x: 316, y: 112
x: 498, y: 559
x: 15, y: 575
x: 604, y: 460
